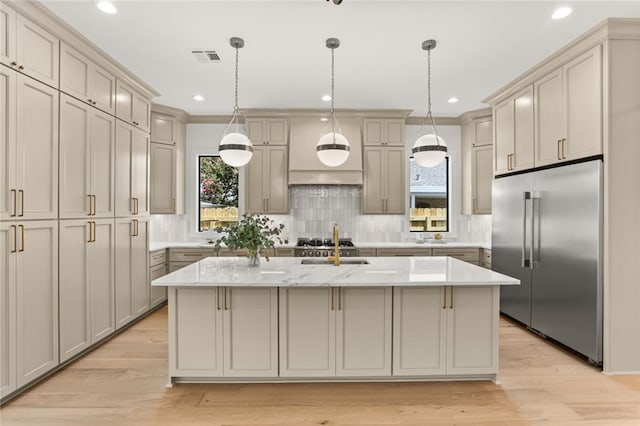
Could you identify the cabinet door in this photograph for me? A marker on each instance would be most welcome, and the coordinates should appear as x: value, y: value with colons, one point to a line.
x: 102, y: 89
x: 523, y: 140
x: 255, y: 199
x: 8, y: 188
x: 37, y: 300
x: 372, y: 191
x: 256, y: 131
x: 124, y: 143
x: 472, y: 330
x: 162, y: 178
x: 363, y: 331
x: 140, y: 266
x: 307, y: 332
x: 373, y: 131
x: 195, y: 332
x: 75, y: 327
x: 277, y: 131
x: 158, y: 294
x: 250, y: 332
x: 123, y: 277
x: 124, y: 101
x: 163, y: 129
x: 140, y: 172
x: 483, y: 132
x: 7, y: 35
x: 102, y: 162
x: 74, y: 73
x: 101, y: 280
x: 8, y: 254
x: 549, y: 118
x: 419, y: 331
x: 276, y: 180
x: 393, y: 172
x: 37, y: 52
x: 583, y: 94
x: 394, y: 132
x: 503, y: 143
x: 37, y: 149
x: 481, y: 164
x: 141, y: 112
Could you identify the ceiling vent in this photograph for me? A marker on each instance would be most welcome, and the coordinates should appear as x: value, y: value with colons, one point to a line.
x: 206, y: 56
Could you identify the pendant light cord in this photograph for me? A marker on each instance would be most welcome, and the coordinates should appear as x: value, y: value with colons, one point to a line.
x: 333, y: 118
x: 429, y: 114
x: 235, y: 108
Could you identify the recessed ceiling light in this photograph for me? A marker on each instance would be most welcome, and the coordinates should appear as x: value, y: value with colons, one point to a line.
x: 453, y: 100
x: 198, y: 98
x: 561, y: 12
x: 107, y: 7
x: 324, y: 119
x: 326, y: 98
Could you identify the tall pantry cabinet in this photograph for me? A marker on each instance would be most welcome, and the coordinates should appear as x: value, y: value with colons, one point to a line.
x: 60, y: 190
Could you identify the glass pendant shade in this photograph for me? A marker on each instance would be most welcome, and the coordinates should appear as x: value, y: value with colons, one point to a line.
x: 429, y: 150
x: 332, y: 149
x: 235, y: 149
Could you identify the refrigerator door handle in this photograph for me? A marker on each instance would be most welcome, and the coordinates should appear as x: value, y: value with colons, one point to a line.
x: 532, y: 262
x: 525, y: 262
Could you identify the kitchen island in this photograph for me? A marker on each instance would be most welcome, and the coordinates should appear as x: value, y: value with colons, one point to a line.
x: 376, y: 319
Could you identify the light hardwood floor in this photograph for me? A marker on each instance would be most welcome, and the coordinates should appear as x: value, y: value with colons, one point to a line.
x: 123, y: 383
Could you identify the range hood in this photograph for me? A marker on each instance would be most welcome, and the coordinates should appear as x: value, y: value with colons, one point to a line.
x: 304, y: 166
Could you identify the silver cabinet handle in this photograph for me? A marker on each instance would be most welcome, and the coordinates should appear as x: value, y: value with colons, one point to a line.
x: 525, y: 262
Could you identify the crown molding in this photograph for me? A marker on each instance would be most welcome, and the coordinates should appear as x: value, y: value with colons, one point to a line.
x: 440, y: 121
x: 174, y: 112
x: 476, y: 113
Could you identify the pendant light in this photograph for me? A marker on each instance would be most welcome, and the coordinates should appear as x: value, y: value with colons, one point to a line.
x: 332, y: 148
x: 235, y: 147
x: 430, y: 149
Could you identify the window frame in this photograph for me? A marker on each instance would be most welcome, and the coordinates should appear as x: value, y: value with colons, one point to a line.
x: 198, y: 191
x: 448, y: 195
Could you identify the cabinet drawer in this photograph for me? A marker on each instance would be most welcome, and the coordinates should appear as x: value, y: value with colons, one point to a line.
x: 157, y: 257
x: 174, y: 266
x: 284, y: 252
x: 367, y: 252
x: 403, y: 251
x: 189, y: 255
x: 157, y: 271
x: 471, y: 255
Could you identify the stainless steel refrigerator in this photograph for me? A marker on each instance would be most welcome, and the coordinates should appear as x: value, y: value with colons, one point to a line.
x: 547, y: 231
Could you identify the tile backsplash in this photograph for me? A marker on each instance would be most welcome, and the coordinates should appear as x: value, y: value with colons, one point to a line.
x: 313, y: 211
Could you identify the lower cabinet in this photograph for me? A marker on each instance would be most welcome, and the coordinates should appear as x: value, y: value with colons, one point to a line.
x: 445, y: 331
x: 328, y: 332
x: 157, y: 269
x: 28, y: 302
x: 223, y: 332
x: 132, y: 269
x: 86, y: 284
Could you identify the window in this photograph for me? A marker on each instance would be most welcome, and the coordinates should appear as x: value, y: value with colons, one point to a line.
x: 218, y: 189
x: 429, y: 197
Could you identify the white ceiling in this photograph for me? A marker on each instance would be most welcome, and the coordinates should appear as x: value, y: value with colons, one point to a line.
x: 380, y: 63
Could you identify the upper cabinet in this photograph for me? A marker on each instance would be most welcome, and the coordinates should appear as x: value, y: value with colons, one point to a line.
x: 132, y: 106
x: 29, y: 117
x: 384, y: 180
x: 568, y: 110
x: 513, y: 121
x: 266, y: 184
x: 83, y: 79
x: 167, y: 168
x: 28, y: 48
x: 268, y: 131
x: 383, y: 131
x: 164, y: 129
x: 477, y: 163
x: 132, y: 171
x: 87, y: 149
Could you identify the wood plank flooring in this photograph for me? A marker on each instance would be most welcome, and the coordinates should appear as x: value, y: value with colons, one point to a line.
x: 123, y: 383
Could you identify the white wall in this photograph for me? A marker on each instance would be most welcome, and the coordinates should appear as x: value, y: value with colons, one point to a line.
x: 314, y: 209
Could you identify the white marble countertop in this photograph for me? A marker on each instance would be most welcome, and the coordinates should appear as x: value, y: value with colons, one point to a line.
x: 160, y: 245
x: 289, y: 272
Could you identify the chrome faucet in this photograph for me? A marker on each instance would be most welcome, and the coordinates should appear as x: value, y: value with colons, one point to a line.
x: 336, y: 253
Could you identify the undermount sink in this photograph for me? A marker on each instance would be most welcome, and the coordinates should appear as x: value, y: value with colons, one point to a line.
x: 330, y: 262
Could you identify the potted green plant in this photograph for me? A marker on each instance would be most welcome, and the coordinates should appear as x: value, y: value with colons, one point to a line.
x: 253, y: 233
